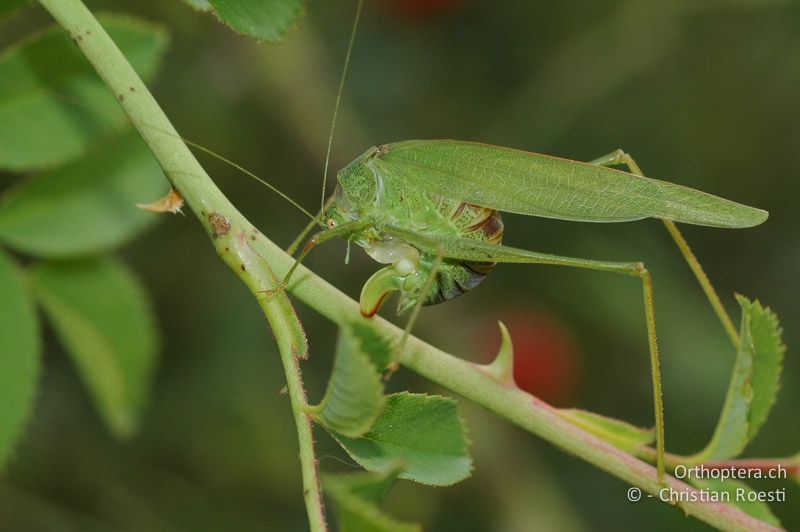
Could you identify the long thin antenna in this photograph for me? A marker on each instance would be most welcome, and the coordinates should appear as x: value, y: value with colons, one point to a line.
x: 250, y: 174
x: 338, y: 101
x: 107, y: 111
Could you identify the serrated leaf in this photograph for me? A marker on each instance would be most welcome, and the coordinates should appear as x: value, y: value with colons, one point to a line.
x: 86, y: 206
x: 19, y: 356
x: 753, y: 386
x: 355, y: 498
x: 620, y: 434
x: 735, y: 493
x: 104, y: 320
x: 768, y: 350
x: 53, y: 105
x: 424, y: 432
x: 354, y: 398
x: 379, y: 348
x: 265, y: 20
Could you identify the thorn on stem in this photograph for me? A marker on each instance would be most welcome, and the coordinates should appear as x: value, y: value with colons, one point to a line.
x: 171, y: 202
x: 502, y: 367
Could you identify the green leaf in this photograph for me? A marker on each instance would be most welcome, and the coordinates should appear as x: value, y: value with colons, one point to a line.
x: 266, y: 20
x: 768, y: 351
x: 19, y: 356
x: 86, y: 206
x: 102, y: 316
x: 199, y: 5
x: 355, y: 498
x: 423, y: 432
x: 620, y: 434
x: 753, y: 386
x: 53, y: 106
x: 735, y: 492
x: 380, y: 349
x: 9, y: 6
x: 354, y: 398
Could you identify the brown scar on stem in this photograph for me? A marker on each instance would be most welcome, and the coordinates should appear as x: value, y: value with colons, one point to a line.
x: 219, y: 224
x: 380, y: 151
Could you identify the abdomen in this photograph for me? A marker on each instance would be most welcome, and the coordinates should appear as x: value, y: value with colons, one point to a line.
x: 456, y: 277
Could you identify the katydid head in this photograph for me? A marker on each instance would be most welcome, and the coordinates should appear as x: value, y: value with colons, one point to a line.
x: 358, y: 181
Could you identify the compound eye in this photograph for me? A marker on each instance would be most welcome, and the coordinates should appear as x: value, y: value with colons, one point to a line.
x: 330, y: 223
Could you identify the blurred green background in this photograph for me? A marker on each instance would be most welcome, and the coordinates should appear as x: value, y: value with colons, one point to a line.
x: 703, y: 94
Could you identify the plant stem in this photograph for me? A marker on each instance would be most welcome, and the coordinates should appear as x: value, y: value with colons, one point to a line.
x: 534, y: 415
x: 243, y: 248
x: 229, y: 230
x: 790, y: 466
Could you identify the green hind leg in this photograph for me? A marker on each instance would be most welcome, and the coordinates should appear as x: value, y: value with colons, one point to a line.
x: 474, y: 250
x: 621, y: 158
